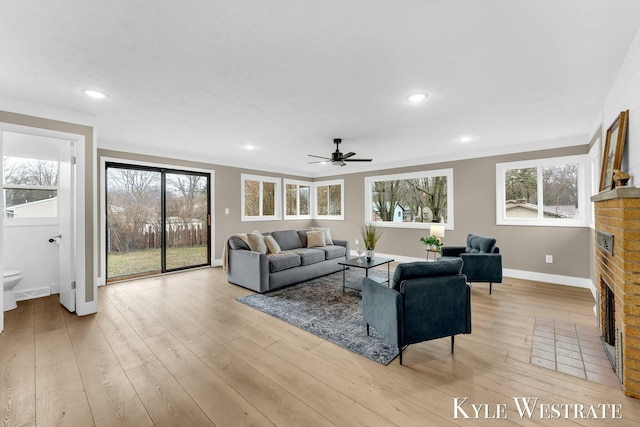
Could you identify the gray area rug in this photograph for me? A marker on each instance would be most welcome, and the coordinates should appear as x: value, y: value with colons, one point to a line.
x: 318, y: 306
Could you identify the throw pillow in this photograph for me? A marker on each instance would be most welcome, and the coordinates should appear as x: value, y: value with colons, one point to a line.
x: 315, y: 239
x: 272, y: 245
x: 327, y: 234
x: 256, y: 242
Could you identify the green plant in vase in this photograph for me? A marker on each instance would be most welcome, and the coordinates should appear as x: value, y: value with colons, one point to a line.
x: 432, y: 242
x: 370, y: 235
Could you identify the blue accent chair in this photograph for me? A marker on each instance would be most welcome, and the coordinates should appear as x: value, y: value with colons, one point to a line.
x: 482, y: 259
x: 425, y: 301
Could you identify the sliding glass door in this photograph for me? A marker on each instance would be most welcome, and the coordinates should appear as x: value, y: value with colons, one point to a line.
x: 158, y: 220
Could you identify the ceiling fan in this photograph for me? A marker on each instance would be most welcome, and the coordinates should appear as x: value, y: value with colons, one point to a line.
x: 337, y: 158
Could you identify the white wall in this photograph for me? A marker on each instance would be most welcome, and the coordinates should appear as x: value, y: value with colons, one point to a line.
x: 27, y: 248
x: 625, y: 94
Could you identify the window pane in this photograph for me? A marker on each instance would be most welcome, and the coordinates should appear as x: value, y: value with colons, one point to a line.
x: 268, y: 198
x: 335, y: 201
x: 28, y: 203
x: 410, y: 200
x: 291, y: 194
x: 560, y: 191
x: 305, y: 192
x: 323, y: 201
x: 30, y: 171
x: 521, y: 193
x: 251, y: 198
x: 186, y: 220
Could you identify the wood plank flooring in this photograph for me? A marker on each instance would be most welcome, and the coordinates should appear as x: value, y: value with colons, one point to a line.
x: 179, y: 350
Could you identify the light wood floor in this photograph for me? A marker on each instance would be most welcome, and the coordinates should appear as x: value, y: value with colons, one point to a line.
x: 179, y: 350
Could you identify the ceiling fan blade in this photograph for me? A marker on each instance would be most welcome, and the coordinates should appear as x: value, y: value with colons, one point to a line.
x: 358, y: 160
x: 319, y: 157
x: 349, y: 154
x: 321, y: 161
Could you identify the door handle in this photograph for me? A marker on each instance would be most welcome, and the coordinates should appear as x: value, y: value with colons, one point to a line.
x: 53, y: 239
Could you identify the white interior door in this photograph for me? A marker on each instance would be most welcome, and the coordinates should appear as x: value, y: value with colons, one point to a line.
x: 66, y: 238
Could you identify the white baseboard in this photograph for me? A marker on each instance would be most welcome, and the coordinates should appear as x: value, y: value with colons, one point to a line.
x: 557, y: 279
x: 26, y: 294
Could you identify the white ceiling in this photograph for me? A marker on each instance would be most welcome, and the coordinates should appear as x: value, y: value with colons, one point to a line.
x: 200, y: 79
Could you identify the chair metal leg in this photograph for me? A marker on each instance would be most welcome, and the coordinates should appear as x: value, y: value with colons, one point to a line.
x: 367, y: 329
x: 490, y: 284
x: 452, y: 339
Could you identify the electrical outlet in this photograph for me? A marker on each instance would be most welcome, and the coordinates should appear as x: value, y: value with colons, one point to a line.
x: 226, y: 211
x: 549, y: 259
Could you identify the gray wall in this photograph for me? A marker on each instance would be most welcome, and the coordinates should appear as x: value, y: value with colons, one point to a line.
x: 474, y: 182
x: 523, y: 248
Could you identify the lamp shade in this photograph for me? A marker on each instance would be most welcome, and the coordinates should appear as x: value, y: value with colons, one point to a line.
x: 437, y: 230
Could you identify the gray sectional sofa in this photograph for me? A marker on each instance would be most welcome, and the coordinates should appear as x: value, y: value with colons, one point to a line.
x: 293, y: 261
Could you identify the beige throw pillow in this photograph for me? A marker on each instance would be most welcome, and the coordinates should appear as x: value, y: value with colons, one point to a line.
x: 272, y: 245
x: 256, y: 242
x: 315, y: 239
x: 327, y: 234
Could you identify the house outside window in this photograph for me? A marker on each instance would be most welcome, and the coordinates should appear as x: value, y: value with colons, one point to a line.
x: 543, y: 192
x: 297, y: 200
x: 30, y: 187
x: 410, y: 200
x: 329, y: 201
x: 261, y: 198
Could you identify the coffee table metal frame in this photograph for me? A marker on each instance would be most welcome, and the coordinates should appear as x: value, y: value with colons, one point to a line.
x: 367, y: 265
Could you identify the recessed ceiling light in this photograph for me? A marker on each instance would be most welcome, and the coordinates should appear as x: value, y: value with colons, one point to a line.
x: 94, y: 93
x: 249, y: 147
x: 465, y: 139
x: 416, y: 97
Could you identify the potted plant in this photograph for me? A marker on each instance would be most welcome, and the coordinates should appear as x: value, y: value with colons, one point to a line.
x: 370, y: 235
x: 432, y: 242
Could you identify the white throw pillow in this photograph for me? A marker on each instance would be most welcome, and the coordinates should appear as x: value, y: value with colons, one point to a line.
x: 327, y: 234
x: 272, y: 245
x: 256, y: 242
x: 315, y: 239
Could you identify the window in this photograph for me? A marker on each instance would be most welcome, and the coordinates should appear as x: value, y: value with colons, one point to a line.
x: 30, y: 187
x: 546, y: 192
x: 410, y: 200
x: 260, y: 198
x: 297, y: 200
x: 329, y: 199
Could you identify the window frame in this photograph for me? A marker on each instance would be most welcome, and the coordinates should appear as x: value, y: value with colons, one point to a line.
x: 298, y: 184
x: 582, y: 160
x: 368, y: 198
x: 277, y: 208
x: 314, y: 199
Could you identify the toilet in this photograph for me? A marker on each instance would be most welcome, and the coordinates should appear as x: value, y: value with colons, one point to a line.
x: 10, y: 279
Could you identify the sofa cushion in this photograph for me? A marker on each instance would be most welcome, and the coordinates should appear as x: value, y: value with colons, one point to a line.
x: 479, y: 244
x: 327, y: 234
x: 332, y: 252
x: 239, y: 241
x: 310, y: 256
x: 315, y: 239
x: 272, y: 245
x: 287, y: 239
x: 419, y: 269
x: 283, y: 261
x: 256, y: 242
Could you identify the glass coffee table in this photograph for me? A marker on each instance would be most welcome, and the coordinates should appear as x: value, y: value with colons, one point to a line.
x: 363, y: 263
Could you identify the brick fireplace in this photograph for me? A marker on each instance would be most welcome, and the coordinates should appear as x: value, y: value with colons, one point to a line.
x: 617, y: 281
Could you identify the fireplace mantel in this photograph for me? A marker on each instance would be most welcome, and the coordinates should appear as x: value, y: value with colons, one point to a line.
x: 617, y: 215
